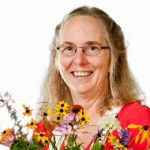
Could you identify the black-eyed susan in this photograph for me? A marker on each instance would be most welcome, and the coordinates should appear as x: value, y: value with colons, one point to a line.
x: 41, y: 138
x: 60, y: 112
x: 27, y: 111
x: 58, y: 117
x: 61, y: 108
x: 83, y: 117
x: 63, y: 105
x: 143, y: 133
x: 47, y: 113
x: 32, y: 124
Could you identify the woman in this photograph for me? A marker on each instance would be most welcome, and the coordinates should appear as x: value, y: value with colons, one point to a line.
x: 88, y: 67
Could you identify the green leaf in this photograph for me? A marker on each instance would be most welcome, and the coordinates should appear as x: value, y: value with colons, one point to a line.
x: 76, y: 147
x: 25, y: 145
x: 35, y: 146
x: 19, y: 145
x: 97, y: 146
x: 71, y: 140
x: 71, y: 143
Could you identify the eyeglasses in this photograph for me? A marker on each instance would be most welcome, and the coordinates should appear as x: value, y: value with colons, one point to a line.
x: 90, y: 49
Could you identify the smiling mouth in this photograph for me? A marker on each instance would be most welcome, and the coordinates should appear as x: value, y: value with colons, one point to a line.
x: 81, y: 73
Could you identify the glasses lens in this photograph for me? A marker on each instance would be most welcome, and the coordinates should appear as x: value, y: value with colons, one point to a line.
x: 67, y: 50
x: 92, y: 49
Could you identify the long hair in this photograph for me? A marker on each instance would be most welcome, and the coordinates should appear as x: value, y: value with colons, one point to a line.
x: 122, y: 86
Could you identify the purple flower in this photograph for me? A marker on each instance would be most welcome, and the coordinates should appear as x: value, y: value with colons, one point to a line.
x: 68, y: 124
x: 68, y: 118
x: 63, y: 129
x: 99, y: 135
x: 124, y: 136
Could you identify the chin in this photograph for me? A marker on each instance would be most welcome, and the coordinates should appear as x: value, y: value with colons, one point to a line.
x: 82, y: 90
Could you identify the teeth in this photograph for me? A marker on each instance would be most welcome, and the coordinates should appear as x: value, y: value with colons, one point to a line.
x: 81, y: 73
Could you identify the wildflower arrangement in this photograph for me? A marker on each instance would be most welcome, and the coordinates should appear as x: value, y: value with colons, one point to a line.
x: 62, y: 132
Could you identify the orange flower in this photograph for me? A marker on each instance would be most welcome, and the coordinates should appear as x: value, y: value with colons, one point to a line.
x: 27, y: 111
x: 4, y: 135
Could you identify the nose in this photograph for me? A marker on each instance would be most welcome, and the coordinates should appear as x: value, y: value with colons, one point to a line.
x: 80, y: 58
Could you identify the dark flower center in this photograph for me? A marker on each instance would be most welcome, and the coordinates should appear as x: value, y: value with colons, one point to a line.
x: 45, y: 114
x: 145, y: 127
x: 62, y: 105
x: 76, y: 108
x: 41, y: 134
x: 83, y: 119
x: 4, y: 131
x: 61, y: 110
x: 46, y: 141
x: 27, y: 110
x: 58, y: 118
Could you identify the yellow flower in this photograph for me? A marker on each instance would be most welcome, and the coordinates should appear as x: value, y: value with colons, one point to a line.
x: 61, y: 112
x: 58, y: 117
x: 114, y: 141
x: 45, y: 114
x: 41, y: 138
x: 62, y: 104
x: 144, y: 133
x: 6, y: 133
x: 83, y: 117
x: 27, y: 111
x: 32, y: 124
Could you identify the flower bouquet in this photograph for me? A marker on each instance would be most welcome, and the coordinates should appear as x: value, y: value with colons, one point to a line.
x: 62, y: 132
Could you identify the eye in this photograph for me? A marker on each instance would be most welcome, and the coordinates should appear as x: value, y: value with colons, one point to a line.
x: 93, y: 47
x: 68, y: 48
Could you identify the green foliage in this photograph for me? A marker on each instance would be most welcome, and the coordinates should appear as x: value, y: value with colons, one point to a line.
x: 71, y: 143
x: 25, y: 145
x: 97, y: 145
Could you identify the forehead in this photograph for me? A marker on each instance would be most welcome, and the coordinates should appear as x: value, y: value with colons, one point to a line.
x: 82, y: 28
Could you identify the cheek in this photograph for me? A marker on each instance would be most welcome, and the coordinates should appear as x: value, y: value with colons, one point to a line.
x: 63, y: 63
x: 102, y: 64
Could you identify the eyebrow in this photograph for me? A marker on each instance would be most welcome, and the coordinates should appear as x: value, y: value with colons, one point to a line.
x: 88, y: 42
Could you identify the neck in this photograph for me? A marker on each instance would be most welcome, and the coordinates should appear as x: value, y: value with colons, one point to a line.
x: 90, y: 98
x: 91, y: 101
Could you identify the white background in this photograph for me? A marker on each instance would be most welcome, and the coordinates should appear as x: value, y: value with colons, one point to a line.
x: 26, y: 30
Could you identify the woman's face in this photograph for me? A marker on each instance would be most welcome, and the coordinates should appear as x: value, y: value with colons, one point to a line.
x: 83, y: 73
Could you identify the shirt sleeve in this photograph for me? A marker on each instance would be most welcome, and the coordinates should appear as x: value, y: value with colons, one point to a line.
x: 135, y: 117
x: 134, y: 112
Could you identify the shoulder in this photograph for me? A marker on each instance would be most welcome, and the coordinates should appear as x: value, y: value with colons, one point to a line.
x: 134, y: 112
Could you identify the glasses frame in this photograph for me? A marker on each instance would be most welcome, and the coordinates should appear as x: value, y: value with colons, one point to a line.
x: 83, y: 48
